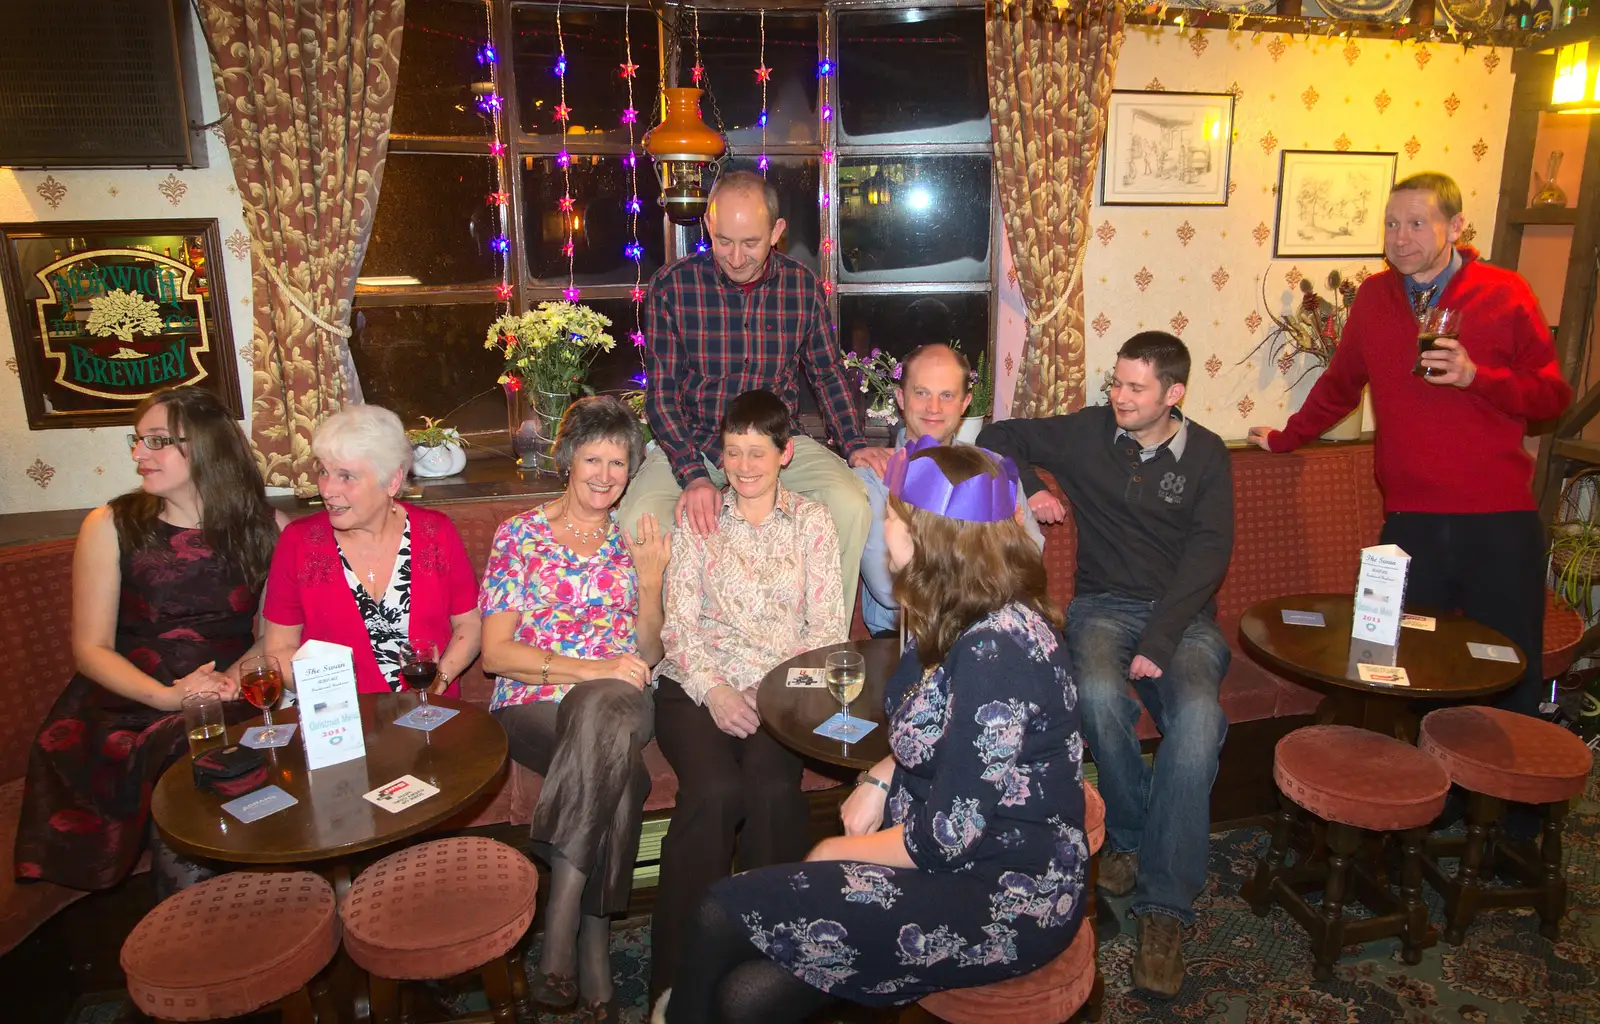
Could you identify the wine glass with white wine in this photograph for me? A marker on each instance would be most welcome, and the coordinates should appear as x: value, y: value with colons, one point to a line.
x: 846, y: 673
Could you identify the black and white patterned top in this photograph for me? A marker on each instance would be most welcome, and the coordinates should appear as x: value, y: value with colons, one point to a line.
x: 388, y: 621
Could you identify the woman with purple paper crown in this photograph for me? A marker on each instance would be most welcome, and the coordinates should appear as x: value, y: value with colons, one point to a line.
x: 964, y: 857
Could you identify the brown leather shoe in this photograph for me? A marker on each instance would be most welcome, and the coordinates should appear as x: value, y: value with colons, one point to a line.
x: 1158, y: 966
x: 1119, y: 871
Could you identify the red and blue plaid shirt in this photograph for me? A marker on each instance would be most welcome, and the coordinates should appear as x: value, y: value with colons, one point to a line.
x: 709, y: 340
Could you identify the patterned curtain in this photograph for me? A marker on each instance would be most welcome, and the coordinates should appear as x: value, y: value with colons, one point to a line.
x: 1050, y: 72
x: 307, y: 89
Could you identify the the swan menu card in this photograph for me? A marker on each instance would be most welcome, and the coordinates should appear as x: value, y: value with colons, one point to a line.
x: 330, y: 716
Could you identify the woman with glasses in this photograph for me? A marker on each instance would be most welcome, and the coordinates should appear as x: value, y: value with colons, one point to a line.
x: 165, y: 583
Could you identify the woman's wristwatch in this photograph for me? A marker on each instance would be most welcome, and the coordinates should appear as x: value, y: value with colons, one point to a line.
x: 869, y: 779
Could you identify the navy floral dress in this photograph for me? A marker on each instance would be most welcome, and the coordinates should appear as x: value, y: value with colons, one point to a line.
x: 988, y: 783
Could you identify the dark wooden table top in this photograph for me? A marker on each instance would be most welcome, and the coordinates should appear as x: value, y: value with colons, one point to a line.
x: 1437, y: 663
x: 791, y: 713
x: 462, y: 757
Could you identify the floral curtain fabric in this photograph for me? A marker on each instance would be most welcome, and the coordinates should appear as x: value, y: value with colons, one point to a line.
x: 306, y: 89
x: 1050, y: 75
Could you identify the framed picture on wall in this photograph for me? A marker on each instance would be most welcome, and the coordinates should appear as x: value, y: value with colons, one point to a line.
x: 1167, y: 149
x: 1331, y: 203
x: 105, y: 312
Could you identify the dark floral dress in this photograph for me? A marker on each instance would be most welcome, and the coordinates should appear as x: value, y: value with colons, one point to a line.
x: 988, y: 783
x: 86, y: 802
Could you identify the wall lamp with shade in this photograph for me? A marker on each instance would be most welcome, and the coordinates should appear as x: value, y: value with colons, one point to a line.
x: 687, y: 156
x: 1573, y: 88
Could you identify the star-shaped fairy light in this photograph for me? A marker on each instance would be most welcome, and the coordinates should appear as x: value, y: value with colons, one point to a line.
x: 563, y: 112
x: 638, y: 294
x: 566, y: 204
x: 763, y: 74
x: 697, y: 72
x: 572, y: 294
x: 637, y: 337
x: 499, y: 198
x: 566, y: 250
x: 628, y: 69
x: 497, y: 149
x: 502, y: 292
x: 629, y: 116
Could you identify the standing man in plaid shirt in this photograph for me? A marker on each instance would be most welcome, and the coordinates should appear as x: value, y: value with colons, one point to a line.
x: 741, y: 317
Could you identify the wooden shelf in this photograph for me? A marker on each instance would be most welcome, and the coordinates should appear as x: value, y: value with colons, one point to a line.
x: 1546, y: 215
x: 1583, y: 451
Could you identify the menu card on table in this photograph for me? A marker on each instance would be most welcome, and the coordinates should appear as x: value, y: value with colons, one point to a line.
x: 330, y: 716
x: 1380, y: 594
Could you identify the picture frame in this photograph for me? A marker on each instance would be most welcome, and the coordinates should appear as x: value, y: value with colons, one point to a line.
x: 1167, y: 149
x: 104, y: 313
x: 1330, y: 203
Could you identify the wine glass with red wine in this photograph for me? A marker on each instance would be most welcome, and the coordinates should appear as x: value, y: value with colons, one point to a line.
x: 261, y: 680
x: 419, y: 668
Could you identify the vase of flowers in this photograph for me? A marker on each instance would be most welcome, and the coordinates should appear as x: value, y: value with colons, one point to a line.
x: 436, y: 450
x: 548, y: 352
x: 877, y: 375
x: 1313, y: 329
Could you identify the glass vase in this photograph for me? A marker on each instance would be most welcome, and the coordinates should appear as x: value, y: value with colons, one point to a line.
x: 532, y: 419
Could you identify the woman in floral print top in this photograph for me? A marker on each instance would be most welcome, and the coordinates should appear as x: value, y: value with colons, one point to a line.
x: 572, y: 622
x: 964, y: 858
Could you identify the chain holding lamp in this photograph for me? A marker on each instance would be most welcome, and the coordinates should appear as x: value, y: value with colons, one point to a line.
x: 687, y: 156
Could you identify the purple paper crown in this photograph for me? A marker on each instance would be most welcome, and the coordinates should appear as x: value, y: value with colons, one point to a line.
x: 983, y: 498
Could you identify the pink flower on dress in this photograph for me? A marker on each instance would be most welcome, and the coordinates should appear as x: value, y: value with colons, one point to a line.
x: 118, y: 745
x: 183, y: 633
x: 62, y: 735
x: 80, y: 822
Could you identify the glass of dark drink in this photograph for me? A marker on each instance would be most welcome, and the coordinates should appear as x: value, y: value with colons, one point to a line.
x: 261, y: 681
x: 1436, y: 323
x: 419, y: 668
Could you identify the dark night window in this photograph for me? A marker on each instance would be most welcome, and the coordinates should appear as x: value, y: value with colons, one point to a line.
x: 434, y: 222
x: 899, y: 323
x: 595, y: 89
x: 797, y: 184
x: 920, y: 219
x: 913, y: 76
x: 729, y: 49
x: 601, y: 223
x: 427, y: 360
x: 438, y: 66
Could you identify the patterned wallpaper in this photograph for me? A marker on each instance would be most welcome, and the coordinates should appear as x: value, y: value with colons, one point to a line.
x: 1200, y: 272
x: 42, y: 470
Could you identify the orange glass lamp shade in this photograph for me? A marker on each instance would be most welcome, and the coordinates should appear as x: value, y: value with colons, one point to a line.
x: 1574, y: 90
x: 684, y: 150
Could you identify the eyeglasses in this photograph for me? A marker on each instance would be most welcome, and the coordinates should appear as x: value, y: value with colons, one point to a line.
x: 154, y: 442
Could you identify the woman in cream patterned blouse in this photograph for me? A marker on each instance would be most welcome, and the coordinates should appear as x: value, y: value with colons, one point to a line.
x: 761, y: 588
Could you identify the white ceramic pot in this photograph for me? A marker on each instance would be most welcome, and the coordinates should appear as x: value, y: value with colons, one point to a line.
x: 971, y: 427
x: 1347, y: 429
x: 444, y: 460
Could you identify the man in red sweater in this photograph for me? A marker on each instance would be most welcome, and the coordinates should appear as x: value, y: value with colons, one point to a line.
x: 1455, y: 476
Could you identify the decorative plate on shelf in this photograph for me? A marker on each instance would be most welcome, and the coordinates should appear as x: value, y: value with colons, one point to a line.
x: 1362, y: 10
x: 1236, y: 6
x: 1478, y: 14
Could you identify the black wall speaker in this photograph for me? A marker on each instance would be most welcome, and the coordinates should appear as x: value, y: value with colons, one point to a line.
x: 97, y: 83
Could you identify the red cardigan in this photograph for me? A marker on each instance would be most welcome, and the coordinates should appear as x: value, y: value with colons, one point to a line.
x: 306, y: 587
x: 1440, y: 448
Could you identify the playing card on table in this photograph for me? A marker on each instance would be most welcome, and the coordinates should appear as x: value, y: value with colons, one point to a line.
x: 401, y: 793
x: 805, y: 677
x: 259, y: 803
x: 1294, y: 618
x: 1492, y: 652
x: 1423, y: 622
x: 1393, y: 675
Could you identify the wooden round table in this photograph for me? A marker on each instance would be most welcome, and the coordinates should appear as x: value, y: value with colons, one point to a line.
x: 792, y: 713
x: 331, y: 821
x: 1438, y: 663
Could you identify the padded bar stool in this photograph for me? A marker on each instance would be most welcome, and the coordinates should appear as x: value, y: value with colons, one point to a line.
x: 1362, y: 784
x: 1056, y: 991
x: 231, y: 945
x: 438, y: 910
x: 1499, y: 756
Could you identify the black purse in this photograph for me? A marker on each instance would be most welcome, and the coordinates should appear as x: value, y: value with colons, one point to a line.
x: 230, y: 771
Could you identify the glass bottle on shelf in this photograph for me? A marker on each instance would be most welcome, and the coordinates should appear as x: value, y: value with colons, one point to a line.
x: 1544, y: 16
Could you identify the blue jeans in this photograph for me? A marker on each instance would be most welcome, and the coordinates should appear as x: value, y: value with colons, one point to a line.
x: 1163, y: 814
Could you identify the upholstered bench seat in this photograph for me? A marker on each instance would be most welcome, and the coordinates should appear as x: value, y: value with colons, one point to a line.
x: 230, y: 945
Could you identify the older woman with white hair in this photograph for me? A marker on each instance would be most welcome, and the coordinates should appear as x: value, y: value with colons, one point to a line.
x: 370, y: 572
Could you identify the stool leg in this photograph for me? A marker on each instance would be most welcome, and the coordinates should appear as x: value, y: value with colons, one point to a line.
x: 1415, y: 936
x: 519, y: 979
x: 497, y: 986
x: 1268, y: 868
x: 1093, y: 1006
x: 296, y: 1007
x: 384, y: 996
x: 1553, y: 901
x: 1343, y: 840
x: 1482, y: 811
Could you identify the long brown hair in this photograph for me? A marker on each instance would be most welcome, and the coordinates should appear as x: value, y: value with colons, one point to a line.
x: 236, y: 520
x: 961, y: 571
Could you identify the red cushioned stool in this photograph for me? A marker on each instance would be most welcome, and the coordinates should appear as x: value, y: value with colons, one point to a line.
x: 437, y: 910
x: 1362, y: 784
x: 1056, y: 991
x: 231, y: 945
x: 1499, y: 756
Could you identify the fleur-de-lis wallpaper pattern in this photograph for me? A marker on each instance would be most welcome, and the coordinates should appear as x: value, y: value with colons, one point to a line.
x: 1199, y: 272
x: 44, y: 470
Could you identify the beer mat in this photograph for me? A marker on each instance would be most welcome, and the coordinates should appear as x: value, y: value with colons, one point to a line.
x: 805, y: 677
x: 847, y: 730
x: 1392, y: 675
x: 1493, y: 652
x: 438, y: 718
x: 281, y: 735
x: 1423, y: 622
x: 1294, y: 618
x: 401, y: 793
x: 259, y: 803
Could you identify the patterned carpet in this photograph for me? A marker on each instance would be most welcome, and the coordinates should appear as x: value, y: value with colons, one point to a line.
x: 1248, y: 970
